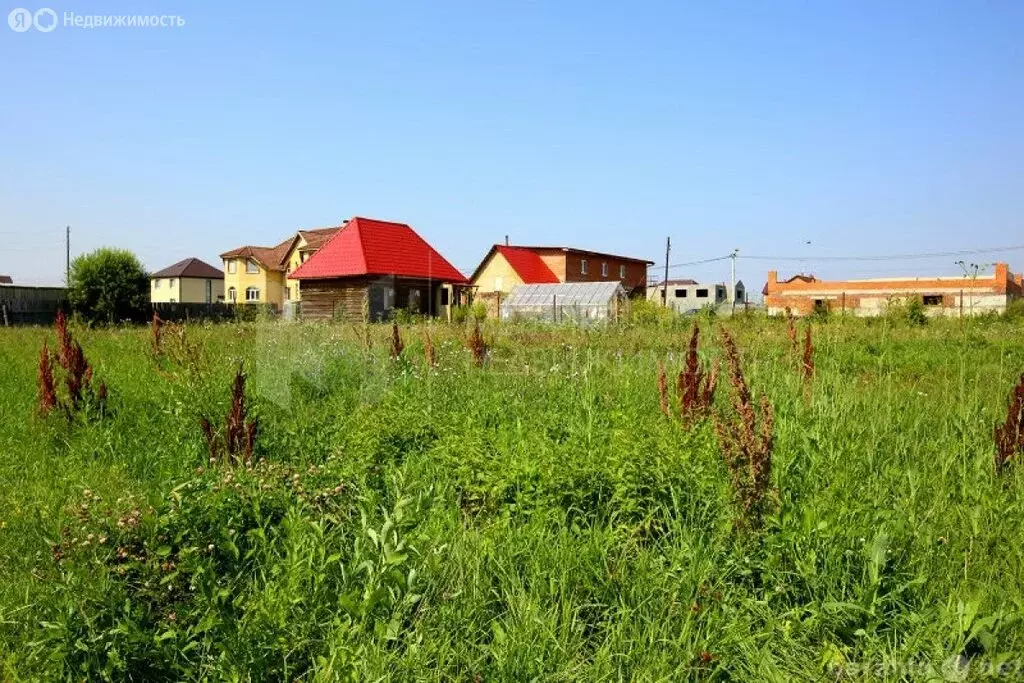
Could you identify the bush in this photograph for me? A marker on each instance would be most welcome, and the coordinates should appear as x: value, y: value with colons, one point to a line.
x: 649, y: 312
x: 460, y: 314
x: 108, y: 285
x: 479, y: 311
x: 908, y: 310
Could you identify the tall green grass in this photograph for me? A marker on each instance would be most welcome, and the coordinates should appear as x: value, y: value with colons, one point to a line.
x: 534, y: 518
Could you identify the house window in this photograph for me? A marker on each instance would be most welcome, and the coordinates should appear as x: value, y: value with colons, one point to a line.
x: 170, y: 283
x: 622, y: 272
x: 933, y: 300
x: 604, y: 269
x: 252, y: 293
x: 232, y: 295
x: 156, y: 283
x: 252, y: 267
x: 583, y: 266
x: 444, y: 296
x: 680, y: 293
x: 702, y: 294
x: 287, y: 293
x: 232, y: 266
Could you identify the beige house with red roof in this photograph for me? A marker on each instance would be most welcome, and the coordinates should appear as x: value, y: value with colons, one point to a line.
x: 188, y: 281
x: 260, y: 274
x: 506, y: 267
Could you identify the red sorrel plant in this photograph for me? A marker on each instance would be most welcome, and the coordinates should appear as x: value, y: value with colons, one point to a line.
x: 428, y: 351
x: 396, y: 341
x: 663, y: 390
x: 477, y: 345
x: 807, y: 364
x: 239, y: 439
x: 63, y: 339
x: 791, y: 330
x: 78, y: 375
x: 156, y: 328
x: 746, y: 446
x: 695, y: 387
x: 47, y: 389
x: 1009, y: 436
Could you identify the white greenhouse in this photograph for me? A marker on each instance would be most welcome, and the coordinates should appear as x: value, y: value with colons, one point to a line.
x: 580, y: 302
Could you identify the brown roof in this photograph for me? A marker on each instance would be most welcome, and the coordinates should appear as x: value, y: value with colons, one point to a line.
x: 273, y: 258
x: 6, y: 280
x: 190, y: 267
x: 316, y: 238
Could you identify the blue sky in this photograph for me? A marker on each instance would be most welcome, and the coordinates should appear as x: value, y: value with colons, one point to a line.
x: 863, y: 127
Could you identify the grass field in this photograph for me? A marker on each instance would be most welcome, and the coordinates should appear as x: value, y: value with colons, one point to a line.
x: 536, y: 518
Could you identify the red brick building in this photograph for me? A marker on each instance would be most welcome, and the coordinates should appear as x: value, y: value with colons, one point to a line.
x: 504, y: 267
x: 953, y: 296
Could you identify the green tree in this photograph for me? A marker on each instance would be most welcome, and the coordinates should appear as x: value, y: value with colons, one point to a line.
x: 108, y: 285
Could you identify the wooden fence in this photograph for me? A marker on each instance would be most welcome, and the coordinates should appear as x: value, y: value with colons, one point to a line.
x: 39, y: 306
x: 30, y: 305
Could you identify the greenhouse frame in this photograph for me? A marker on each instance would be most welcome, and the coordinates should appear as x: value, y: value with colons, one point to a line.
x: 579, y: 302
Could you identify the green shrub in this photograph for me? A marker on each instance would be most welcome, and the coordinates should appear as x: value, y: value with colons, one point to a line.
x: 108, y: 285
x: 460, y: 314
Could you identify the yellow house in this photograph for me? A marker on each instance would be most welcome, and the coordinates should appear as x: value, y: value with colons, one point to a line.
x: 260, y: 274
x: 189, y: 281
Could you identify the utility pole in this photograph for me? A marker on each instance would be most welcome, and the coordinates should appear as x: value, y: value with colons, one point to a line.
x: 732, y: 289
x: 67, y: 256
x: 664, y: 285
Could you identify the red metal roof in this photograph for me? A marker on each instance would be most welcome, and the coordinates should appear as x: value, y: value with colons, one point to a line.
x: 528, y: 265
x: 370, y: 247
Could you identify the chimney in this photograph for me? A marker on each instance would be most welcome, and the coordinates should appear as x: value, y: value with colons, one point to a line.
x: 506, y: 240
x: 773, y: 279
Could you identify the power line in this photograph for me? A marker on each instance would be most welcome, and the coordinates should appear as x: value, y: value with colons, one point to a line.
x: 893, y: 257
x: 696, y: 263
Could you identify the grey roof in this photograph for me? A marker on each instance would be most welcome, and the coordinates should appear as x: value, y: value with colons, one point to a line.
x: 190, y: 267
x: 565, y: 294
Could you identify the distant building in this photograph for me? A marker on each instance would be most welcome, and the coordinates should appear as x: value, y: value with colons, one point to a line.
x: 951, y: 296
x: 188, y: 281
x: 6, y: 280
x: 686, y: 296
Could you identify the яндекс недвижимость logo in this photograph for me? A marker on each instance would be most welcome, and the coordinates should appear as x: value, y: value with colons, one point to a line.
x: 21, y: 20
x: 45, y: 20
